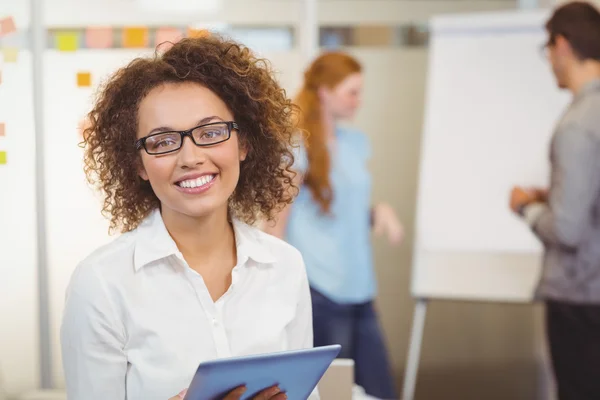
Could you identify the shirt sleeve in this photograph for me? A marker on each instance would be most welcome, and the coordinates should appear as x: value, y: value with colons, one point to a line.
x: 92, y: 341
x: 300, y: 158
x: 574, y: 190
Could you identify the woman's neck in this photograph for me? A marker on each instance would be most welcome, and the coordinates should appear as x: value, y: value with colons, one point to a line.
x: 329, y: 123
x: 201, y: 240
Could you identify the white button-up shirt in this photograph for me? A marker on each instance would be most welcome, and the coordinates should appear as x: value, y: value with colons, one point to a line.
x: 138, y: 320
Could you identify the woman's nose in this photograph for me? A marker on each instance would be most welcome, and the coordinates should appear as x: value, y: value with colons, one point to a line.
x: 191, y: 155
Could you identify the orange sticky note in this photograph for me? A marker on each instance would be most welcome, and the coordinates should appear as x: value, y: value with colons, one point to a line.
x: 99, y: 38
x: 2, y: 157
x: 84, y: 79
x: 67, y: 41
x: 166, y: 37
x: 135, y: 37
x: 10, y: 54
x: 198, y: 33
x: 2, y: 129
x: 7, y: 25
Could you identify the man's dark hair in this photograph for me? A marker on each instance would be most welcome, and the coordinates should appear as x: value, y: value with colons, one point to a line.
x: 579, y: 23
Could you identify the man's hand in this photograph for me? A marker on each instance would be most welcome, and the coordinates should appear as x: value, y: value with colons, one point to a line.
x: 541, y: 195
x: 520, y: 197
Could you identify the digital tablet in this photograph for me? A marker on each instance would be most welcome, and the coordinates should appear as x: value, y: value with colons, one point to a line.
x: 296, y: 372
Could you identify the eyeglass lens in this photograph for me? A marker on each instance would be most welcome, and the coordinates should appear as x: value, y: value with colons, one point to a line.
x: 203, y: 136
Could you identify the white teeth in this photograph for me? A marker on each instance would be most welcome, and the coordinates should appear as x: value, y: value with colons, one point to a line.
x: 194, y: 183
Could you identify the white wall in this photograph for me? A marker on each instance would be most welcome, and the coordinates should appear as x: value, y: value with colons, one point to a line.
x: 18, y: 277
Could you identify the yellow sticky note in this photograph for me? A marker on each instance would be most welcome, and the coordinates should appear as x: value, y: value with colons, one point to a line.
x: 10, y: 54
x: 2, y: 129
x: 2, y: 157
x: 84, y: 79
x: 67, y: 41
x: 135, y: 37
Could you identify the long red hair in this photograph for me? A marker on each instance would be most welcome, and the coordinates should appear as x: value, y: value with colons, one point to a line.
x: 328, y: 70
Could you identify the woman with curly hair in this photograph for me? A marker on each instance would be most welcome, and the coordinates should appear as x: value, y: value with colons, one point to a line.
x: 187, y: 148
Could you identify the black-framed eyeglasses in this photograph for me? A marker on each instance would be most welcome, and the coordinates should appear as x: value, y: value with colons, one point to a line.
x: 544, y: 48
x: 203, y: 135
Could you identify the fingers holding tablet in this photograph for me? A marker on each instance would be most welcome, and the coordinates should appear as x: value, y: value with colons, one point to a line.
x: 179, y: 396
x: 272, y: 393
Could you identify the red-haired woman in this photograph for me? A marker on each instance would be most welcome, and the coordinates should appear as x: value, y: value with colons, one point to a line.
x: 331, y: 220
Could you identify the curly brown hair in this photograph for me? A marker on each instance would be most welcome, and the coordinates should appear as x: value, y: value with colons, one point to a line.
x: 246, y: 85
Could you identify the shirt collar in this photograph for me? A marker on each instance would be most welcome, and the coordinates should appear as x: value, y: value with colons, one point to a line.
x: 153, y: 242
x: 250, y: 244
x: 588, y: 88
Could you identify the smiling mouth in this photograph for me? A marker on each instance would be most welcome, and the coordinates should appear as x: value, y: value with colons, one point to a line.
x: 195, y: 183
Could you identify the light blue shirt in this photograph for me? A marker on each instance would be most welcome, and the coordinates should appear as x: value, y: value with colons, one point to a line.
x: 337, y: 247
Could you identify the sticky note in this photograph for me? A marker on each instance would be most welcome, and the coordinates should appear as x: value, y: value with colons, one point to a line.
x: 198, y: 33
x: 2, y: 157
x: 82, y: 126
x: 166, y: 37
x: 84, y: 79
x: 2, y: 129
x: 7, y: 25
x: 99, y: 38
x: 135, y: 37
x: 67, y: 41
x: 10, y: 54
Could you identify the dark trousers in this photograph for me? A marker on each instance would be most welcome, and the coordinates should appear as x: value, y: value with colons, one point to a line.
x: 356, y: 329
x: 574, y: 338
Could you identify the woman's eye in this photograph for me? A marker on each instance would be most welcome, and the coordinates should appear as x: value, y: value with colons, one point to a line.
x: 212, y: 134
x: 165, y: 142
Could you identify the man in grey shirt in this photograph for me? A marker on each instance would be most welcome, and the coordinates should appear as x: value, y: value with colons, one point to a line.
x: 566, y: 218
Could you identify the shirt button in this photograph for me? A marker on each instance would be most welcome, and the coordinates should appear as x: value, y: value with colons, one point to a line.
x: 215, y: 322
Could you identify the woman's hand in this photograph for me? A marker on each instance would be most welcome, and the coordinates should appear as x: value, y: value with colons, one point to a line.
x: 272, y: 393
x: 180, y: 395
x: 386, y: 221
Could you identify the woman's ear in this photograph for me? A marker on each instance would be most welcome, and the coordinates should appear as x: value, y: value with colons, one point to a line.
x: 243, y: 147
x: 322, y: 92
x: 243, y: 152
x: 142, y: 172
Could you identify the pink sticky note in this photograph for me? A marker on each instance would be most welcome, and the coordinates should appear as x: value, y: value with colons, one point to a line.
x: 99, y: 38
x: 7, y: 25
x: 166, y: 37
